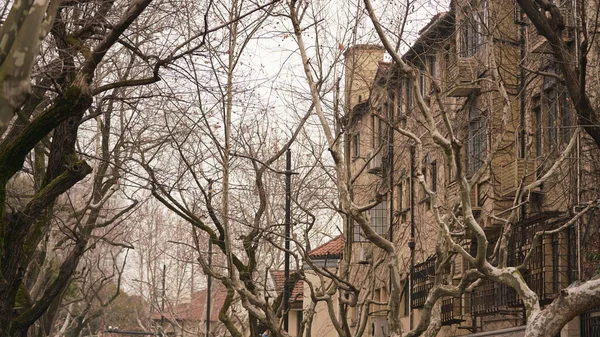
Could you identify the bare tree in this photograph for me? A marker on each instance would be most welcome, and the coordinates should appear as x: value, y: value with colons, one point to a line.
x: 65, y: 66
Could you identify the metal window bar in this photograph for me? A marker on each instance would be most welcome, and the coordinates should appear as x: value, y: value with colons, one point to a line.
x: 422, y: 281
x: 378, y: 216
x: 551, y: 267
x: 451, y: 311
x: 589, y: 323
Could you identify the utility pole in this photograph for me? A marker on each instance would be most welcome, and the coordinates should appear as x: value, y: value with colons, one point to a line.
x: 162, y: 305
x: 208, y: 287
x: 411, y: 242
x: 288, y: 216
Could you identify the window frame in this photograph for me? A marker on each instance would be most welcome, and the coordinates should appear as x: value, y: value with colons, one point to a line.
x: 476, y: 144
x: 356, y: 144
x: 379, y: 217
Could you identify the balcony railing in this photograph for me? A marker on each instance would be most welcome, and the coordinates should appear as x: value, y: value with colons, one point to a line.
x: 590, y: 323
x: 375, y: 165
x: 451, y: 311
x: 461, y: 77
x: 422, y: 281
x: 453, y: 190
x: 491, y: 297
x: 551, y: 267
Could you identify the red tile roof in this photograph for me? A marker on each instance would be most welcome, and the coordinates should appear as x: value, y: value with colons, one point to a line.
x: 332, y: 248
x: 279, y: 279
x: 195, y: 310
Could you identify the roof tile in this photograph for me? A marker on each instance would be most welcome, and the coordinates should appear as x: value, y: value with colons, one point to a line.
x: 332, y: 248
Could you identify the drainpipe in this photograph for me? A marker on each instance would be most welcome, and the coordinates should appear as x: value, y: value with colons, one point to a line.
x: 522, y: 55
x: 576, y: 5
x: 411, y: 242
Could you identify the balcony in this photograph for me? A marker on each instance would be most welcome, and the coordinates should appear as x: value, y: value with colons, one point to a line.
x: 453, y: 191
x: 491, y: 298
x: 461, y: 77
x: 553, y: 262
x: 551, y: 268
x: 375, y: 164
x: 422, y: 281
x: 451, y: 311
x: 512, y: 173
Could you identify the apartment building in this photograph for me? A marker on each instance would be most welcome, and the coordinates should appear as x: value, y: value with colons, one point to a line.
x: 463, y: 56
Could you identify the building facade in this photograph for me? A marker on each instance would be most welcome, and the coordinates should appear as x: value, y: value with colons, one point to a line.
x: 484, y: 72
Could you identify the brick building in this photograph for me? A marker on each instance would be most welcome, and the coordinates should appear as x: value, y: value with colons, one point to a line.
x: 508, y: 141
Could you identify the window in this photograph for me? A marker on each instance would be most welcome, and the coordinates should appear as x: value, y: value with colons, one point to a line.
x: 537, y: 114
x: 391, y: 113
x: 550, y: 97
x: 398, y: 105
x: 565, y: 116
x: 408, y: 95
x: 380, y: 132
x: 471, y: 30
x: 400, y: 196
x: 378, y: 216
x: 477, y: 141
x: 431, y: 65
x: 422, y: 84
x: 373, y: 131
x: 356, y: 145
x: 424, y: 198
x: 357, y: 232
x: 434, y: 176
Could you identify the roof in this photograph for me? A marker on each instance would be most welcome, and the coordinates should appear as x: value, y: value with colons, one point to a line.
x: 431, y: 22
x: 439, y: 28
x: 279, y: 279
x: 333, y: 248
x: 195, y: 310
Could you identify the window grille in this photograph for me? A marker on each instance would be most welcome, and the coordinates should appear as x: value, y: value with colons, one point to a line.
x: 477, y: 141
x: 472, y: 31
x: 357, y: 235
x: 537, y: 112
x: 378, y: 216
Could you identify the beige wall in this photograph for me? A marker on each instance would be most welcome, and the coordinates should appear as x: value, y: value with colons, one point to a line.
x: 361, y: 62
x: 321, y: 325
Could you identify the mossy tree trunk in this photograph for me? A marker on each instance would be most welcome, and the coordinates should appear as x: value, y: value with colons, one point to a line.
x: 21, y: 229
